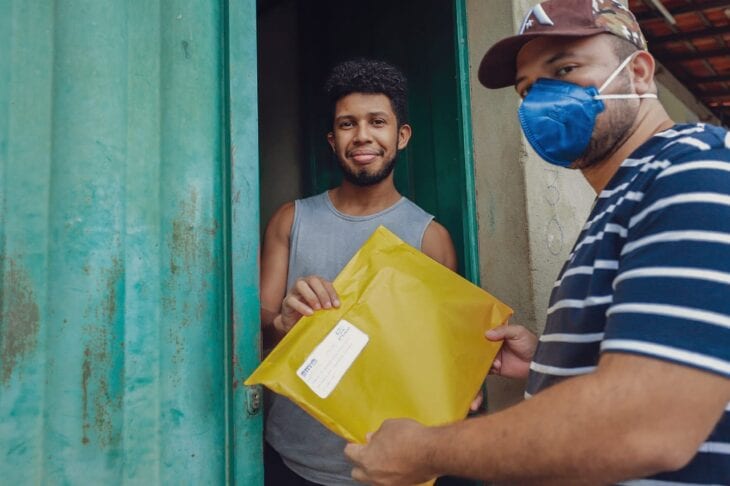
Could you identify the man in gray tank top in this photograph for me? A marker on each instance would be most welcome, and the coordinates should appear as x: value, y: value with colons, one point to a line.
x: 308, y: 241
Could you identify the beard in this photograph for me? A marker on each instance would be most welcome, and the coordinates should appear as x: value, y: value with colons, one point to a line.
x: 362, y: 177
x: 611, y: 129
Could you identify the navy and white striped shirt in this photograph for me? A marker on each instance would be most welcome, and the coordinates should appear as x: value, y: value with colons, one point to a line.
x: 650, y: 275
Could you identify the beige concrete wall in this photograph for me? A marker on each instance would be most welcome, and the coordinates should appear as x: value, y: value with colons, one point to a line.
x: 681, y: 105
x: 529, y: 212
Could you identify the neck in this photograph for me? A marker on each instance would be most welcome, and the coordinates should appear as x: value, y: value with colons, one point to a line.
x: 356, y: 200
x: 651, y: 120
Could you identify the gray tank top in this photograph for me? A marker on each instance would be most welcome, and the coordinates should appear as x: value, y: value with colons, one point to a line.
x: 322, y: 241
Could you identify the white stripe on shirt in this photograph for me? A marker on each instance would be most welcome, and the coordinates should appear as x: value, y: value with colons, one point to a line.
x: 630, y: 196
x: 668, y: 352
x: 556, y: 371
x: 689, y: 141
x: 671, y: 133
x: 609, y: 228
x: 674, y: 272
x: 657, y: 164
x: 588, y: 270
x: 715, y: 448
x: 681, y: 312
x: 581, y: 303
x: 635, y: 162
x: 608, y: 193
x: 671, y: 236
x: 696, y: 165
x: 691, y: 197
x: 571, y: 338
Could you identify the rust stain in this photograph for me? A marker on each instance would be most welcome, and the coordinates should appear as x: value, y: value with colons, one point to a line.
x: 98, y: 406
x: 213, y: 229
x: 190, y: 253
x: 101, y: 369
x: 185, y: 241
x: 102, y: 413
x: 112, y: 276
x: 173, y: 268
x: 85, y: 375
x: 20, y: 322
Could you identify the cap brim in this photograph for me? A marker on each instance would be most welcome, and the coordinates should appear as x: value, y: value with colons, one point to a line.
x: 499, y: 65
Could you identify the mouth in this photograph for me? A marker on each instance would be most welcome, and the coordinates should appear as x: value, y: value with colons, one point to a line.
x: 365, y: 157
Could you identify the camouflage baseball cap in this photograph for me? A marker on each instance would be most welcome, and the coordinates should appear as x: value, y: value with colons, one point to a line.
x: 570, y: 18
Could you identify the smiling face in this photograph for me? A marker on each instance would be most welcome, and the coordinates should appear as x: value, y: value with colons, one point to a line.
x: 586, y: 61
x: 366, y: 137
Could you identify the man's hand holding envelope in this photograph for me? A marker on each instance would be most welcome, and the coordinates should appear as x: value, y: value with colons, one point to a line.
x: 407, y: 341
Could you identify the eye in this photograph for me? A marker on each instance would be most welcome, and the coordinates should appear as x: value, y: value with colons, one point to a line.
x: 378, y: 122
x: 563, y: 71
x: 345, y: 124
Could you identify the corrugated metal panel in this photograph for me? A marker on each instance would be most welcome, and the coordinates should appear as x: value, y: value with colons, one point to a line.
x: 115, y: 264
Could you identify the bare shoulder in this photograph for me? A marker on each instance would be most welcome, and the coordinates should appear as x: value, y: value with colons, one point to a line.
x: 438, y: 245
x: 280, y: 224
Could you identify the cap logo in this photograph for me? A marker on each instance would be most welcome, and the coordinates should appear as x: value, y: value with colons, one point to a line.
x: 539, y: 13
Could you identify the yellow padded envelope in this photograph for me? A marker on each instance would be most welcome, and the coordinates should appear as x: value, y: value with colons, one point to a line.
x: 407, y: 341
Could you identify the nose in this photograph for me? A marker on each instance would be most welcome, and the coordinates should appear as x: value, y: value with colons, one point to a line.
x: 362, y: 133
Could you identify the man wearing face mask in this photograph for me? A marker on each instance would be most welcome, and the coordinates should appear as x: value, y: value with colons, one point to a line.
x: 629, y: 382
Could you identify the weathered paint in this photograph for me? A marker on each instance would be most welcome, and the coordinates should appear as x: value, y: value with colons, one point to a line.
x: 466, y: 148
x: 115, y: 288
x: 242, y: 118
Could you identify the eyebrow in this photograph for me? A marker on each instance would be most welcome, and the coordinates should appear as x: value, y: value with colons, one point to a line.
x: 557, y: 57
x: 372, y: 113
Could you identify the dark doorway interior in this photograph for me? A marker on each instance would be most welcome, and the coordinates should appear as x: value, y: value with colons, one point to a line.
x: 300, y: 41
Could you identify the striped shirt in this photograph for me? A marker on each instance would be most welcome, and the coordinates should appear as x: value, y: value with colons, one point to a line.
x: 650, y: 275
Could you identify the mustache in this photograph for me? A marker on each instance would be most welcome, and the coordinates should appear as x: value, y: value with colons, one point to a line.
x: 350, y: 153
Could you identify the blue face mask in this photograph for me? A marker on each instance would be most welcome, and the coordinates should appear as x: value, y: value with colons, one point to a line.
x: 558, y: 117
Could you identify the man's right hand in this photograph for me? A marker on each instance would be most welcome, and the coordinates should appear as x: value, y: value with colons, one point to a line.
x: 513, y: 360
x: 308, y: 294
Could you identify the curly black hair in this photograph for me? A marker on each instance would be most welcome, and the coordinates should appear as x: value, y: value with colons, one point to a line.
x: 369, y: 76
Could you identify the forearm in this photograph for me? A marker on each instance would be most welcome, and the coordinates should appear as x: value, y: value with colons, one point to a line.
x: 585, y: 430
x: 537, y: 441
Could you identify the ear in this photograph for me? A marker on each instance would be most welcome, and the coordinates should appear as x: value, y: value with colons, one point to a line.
x: 404, y: 135
x: 642, y: 71
x: 331, y: 140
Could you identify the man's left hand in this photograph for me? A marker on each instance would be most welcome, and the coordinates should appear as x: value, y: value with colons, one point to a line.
x: 395, y: 455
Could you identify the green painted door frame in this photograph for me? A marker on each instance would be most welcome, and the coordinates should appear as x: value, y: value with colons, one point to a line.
x: 468, y: 202
x: 246, y: 417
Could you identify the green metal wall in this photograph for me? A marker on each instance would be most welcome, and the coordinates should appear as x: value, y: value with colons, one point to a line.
x: 128, y: 242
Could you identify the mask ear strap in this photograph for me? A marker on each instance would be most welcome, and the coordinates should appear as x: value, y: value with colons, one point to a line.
x: 616, y: 72
x: 624, y: 96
